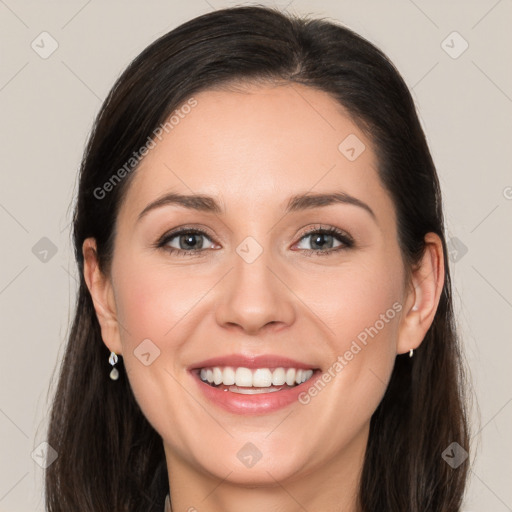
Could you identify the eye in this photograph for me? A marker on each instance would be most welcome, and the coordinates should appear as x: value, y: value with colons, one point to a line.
x: 184, y: 242
x: 324, y: 239
x: 190, y: 241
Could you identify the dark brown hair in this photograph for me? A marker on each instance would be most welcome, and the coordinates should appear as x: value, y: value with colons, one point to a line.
x: 110, y: 457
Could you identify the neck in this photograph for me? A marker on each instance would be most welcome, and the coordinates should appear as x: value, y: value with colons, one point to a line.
x: 333, y: 487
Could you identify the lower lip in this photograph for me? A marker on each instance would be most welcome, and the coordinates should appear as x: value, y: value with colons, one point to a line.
x: 261, y: 403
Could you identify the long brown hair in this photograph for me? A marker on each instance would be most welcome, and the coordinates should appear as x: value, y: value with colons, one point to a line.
x: 110, y: 457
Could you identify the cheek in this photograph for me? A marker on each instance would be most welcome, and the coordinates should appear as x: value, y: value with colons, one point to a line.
x: 151, y: 301
x: 154, y: 299
x: 361, y: 306
x: 359, y: 300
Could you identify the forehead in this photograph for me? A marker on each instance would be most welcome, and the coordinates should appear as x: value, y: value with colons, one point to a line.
x: 254, y: 147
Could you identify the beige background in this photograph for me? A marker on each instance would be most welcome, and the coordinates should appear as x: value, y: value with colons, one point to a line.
x: 48, y: 105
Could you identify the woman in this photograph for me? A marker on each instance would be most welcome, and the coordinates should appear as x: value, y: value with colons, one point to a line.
x: 264, y: 319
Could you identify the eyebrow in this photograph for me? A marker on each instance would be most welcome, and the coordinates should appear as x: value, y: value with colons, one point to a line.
x: 298, y: 202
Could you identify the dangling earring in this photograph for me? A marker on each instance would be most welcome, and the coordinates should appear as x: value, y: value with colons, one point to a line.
x: 114, y: 374
x: 411, y: 352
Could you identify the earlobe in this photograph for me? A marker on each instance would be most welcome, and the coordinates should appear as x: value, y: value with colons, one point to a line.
x: 426, y: 286
x: 100, y: 288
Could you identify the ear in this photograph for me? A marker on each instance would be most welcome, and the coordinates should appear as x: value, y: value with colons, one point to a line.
x: 422, y: 299
x: 102, y: 294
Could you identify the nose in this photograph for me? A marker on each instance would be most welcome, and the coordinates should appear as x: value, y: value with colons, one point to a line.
x: 254, y: 297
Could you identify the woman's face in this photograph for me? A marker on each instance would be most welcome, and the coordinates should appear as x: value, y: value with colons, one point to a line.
x: 255, y: 285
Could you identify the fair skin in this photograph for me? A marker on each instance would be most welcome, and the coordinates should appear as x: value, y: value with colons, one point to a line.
x: 251, y: 150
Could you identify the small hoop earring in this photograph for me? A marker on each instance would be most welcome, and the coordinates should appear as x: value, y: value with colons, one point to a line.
x: 411, y: 352
x: 114, y: 374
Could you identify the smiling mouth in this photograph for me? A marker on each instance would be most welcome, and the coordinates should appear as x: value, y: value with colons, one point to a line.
x: 254, y: 381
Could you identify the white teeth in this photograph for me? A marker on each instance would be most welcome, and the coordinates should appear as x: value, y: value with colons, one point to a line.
x: 262, y: 378
x: 217, y: 375
x: 278, y: 377
x: 252, y: 391
x: 228, y: 376
x: 290, y: 376
x: 243, y: 377
x: 258, y: 378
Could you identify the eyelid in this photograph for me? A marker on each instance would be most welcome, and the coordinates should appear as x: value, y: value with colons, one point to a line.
x: 332, y: 230
x: 345, y: 238
x: 181, y: 230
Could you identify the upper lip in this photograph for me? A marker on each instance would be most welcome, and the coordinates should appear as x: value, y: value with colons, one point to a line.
x: 255, y: 361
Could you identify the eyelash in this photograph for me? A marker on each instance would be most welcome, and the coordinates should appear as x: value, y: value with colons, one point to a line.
x: 344, y: 238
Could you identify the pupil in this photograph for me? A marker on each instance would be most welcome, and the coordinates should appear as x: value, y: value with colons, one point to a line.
x: 189, y: 239
x: 321, y: 237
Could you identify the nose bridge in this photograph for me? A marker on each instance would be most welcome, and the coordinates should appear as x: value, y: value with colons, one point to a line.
x: 253, y: 296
